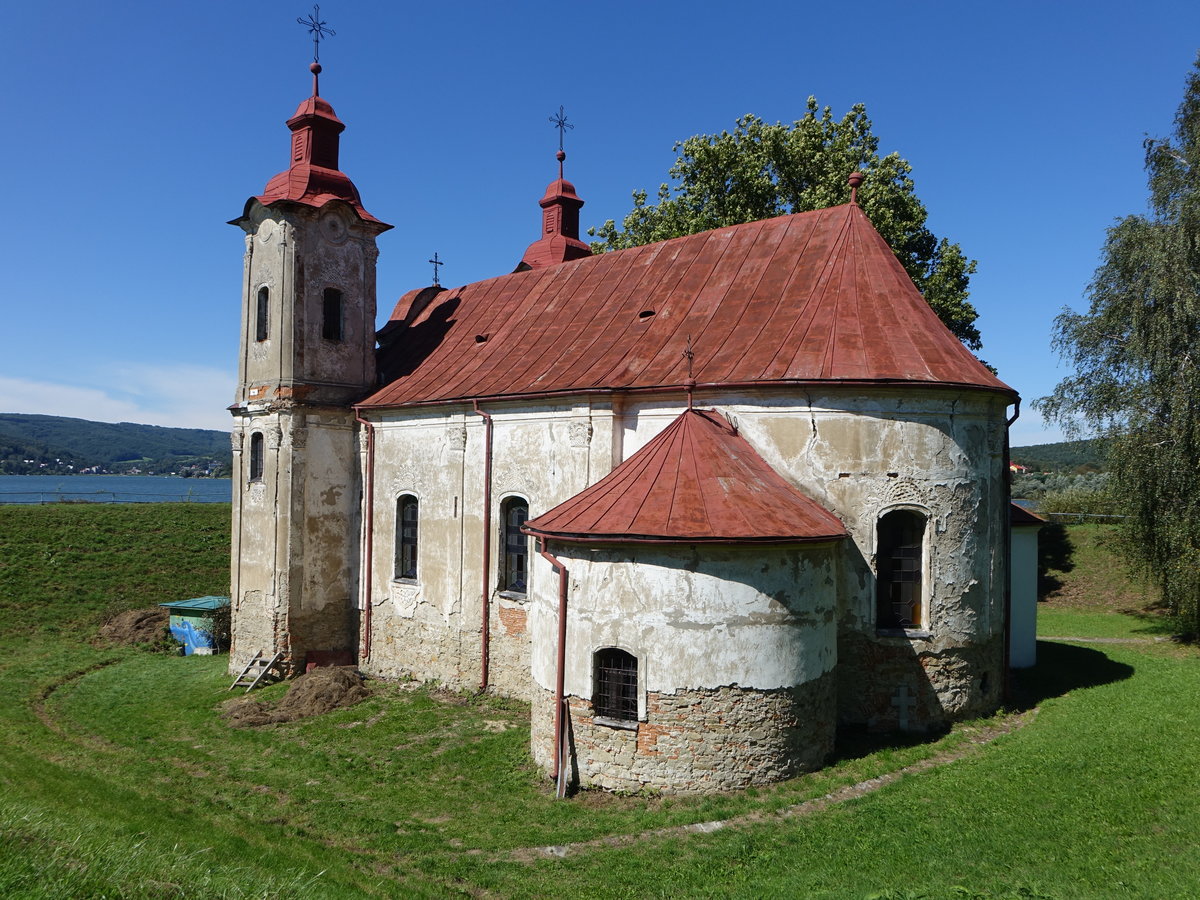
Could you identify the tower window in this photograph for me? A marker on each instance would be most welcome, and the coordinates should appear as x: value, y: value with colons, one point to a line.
x: 406, y: 538
x: 900, y: 558
x: 331, y: 318
x: 264, y: 305
x: 256, y: 456
x: 515, y: 575
x: 616, y: 680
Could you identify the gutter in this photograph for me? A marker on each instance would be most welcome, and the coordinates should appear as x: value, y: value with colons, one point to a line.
x: 716, y: 385
x: 368, y: 535
x: 486, y: 596
x: 559, y: 772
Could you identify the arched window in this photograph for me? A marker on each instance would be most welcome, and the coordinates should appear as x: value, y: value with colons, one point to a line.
x: 616, y: 681
x: 256, y: 456
x: 264, y: 306
x: 331, y: 315
x: 514, y: 572
x: 900, y: 561
x: 406, y: 538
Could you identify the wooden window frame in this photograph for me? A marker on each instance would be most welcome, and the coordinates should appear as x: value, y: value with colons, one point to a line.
x: 514, y: 564
x: 902, y: 571
x: 407, y: 538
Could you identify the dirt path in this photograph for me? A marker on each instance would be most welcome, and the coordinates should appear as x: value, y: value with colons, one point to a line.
x: 979, y: 739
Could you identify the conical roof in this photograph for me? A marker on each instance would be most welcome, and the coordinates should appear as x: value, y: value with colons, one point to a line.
x: 698, y: 481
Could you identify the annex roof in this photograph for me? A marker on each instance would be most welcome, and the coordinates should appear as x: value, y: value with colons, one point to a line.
x: 1019, y: 515
x: 804, y: 298
x: 698, y: 481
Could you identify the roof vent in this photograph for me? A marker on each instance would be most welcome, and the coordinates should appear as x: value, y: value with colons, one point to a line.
x: 481, y: 338
x: 645, y: 314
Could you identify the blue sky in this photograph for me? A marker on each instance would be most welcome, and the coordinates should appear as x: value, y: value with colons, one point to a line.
x: 136, y: 131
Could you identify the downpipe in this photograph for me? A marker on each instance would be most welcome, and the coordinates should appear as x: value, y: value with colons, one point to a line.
x: 486, y: 596
x: 1006, y: 530
x: 559, y: 772
x: 368, y: 536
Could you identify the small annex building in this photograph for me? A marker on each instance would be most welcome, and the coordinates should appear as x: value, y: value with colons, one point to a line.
x: 702, y: 502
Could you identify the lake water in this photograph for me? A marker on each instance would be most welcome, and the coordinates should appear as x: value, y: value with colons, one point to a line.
x: 113, y: 489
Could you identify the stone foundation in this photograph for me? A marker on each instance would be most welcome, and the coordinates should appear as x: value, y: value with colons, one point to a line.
x: 699, y: 740
x: 893, y: 683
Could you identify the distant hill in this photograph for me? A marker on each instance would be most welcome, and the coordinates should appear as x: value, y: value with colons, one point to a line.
x: 32, y: 444
x: 1074, y: 457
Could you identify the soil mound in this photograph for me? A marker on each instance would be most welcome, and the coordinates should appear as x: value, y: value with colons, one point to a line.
x: 136, y: 626
x: 312, y: 694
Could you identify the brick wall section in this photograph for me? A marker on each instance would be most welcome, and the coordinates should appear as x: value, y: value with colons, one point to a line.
x: 699, y: 740
x: 945, y: 682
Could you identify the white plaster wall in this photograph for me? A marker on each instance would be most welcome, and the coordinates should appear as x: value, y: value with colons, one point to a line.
x: 855, y: 454
x: 1023, y: 645
x: 696, y: 617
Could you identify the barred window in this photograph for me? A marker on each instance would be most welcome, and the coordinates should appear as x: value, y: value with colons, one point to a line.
x: 515, y: 558
x: 263, y: 311
x: 900, y: 558
x: 331, y: 321
x: 406, y: 537
x: 256, y: 456
x: 616, y: 695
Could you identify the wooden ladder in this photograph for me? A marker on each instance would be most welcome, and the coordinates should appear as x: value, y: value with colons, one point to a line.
x: 257, y: 671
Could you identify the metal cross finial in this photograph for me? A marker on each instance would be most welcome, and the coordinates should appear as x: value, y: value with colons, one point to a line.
x: 436, y: 262
x: 561, y: 123
x: 317, y: 29
x: 689, y: 384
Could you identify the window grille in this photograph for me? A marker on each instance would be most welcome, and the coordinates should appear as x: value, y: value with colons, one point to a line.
x: 515, y: 575
x: 616, y: 695
x: 900, y: 559
x: 406, y: 537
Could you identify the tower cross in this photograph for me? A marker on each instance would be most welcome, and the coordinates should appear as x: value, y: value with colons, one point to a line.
x: 436, y: 262
x: 561, y: 123
x: 317, y: 29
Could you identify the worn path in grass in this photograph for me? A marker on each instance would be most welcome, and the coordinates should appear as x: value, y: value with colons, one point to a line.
x: 979, y: 736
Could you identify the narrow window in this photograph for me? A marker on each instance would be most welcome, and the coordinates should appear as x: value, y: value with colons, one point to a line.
x: 406, y: 538
x: 331, y: 320
x: 900, y: 557
x: 256, y: 456
x: 616, y: 683
x: 264, y: 304
x: 514, y: 575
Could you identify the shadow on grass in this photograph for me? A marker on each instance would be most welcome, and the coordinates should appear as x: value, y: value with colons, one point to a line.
x: 855, y: 742
x: 1062, y: 668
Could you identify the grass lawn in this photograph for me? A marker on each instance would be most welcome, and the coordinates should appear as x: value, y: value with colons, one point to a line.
x: 119, y: 778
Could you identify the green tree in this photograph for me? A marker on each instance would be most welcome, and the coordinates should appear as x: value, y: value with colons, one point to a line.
x: 762, y: 170
x: 1135, y: 354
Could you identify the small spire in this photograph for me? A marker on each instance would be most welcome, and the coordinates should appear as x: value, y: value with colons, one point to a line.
x: 560, y: 215
x: 855, y: 179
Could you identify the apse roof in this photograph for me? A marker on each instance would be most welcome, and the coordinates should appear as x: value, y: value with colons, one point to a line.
x: 814, y: 297
x: 698, y: 481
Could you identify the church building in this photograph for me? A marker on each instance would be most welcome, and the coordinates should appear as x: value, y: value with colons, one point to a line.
x: 701, y: 503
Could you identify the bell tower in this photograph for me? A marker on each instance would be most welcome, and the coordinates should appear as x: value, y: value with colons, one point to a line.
x: 307, y: 354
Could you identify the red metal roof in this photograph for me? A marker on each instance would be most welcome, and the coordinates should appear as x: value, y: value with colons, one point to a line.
x: 560, y: 225
x: 1019, y: 515
x: 800, y: 299
x: 313, y: 178
x: 698, y: 481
